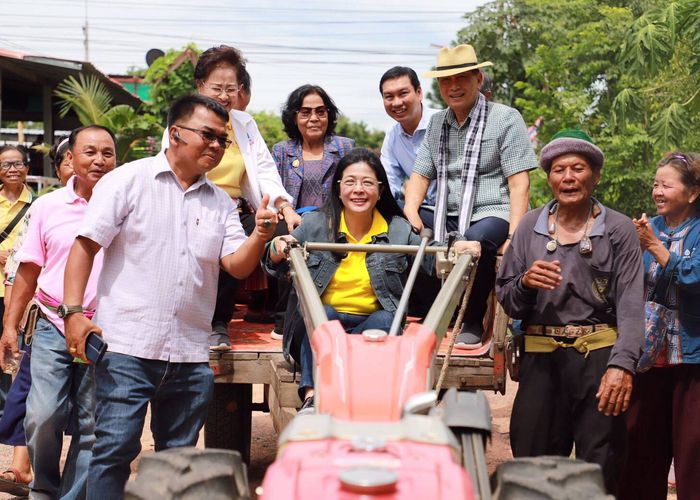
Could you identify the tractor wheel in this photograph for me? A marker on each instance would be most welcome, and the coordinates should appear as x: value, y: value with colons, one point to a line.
x: 190, y: 474
x: 549, y: 478
x: 229, y: 419
x: 473, y: 447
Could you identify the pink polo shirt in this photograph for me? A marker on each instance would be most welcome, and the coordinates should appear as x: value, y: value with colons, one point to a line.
x: 53, y: 225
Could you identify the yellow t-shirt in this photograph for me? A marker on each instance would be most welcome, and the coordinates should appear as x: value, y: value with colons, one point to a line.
x: 350, y: 291
x: 229, y: 173
x: 8, y: 211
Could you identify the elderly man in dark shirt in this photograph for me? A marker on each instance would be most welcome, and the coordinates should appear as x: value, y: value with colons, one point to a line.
x: 573, y: 274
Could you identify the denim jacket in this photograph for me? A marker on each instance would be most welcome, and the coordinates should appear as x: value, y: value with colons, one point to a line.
x: 682, y: 277
x: 386, y: 270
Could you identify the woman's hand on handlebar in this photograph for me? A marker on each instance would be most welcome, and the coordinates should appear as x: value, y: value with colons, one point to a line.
x: 472, y: 247
x: 279, y: 244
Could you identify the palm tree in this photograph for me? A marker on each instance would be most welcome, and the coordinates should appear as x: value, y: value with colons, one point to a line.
x: 90, y: 100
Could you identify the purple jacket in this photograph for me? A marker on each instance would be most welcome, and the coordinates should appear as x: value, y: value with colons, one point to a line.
x: 287, y: 156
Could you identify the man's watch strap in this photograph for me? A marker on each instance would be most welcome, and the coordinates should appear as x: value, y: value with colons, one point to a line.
x: 65, y: 310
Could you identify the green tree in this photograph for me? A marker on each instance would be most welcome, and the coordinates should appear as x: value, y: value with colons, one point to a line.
x: 91, y: 101
x: 171, y: 76
x: 562, y: 61
x: 364, y: 137
x: 271, y: 128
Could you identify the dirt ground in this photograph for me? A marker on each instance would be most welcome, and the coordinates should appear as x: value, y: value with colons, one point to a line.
x: 264, y: 440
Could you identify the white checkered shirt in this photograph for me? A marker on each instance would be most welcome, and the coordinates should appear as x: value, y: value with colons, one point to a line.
x: 157, y: 290
x: 505, y: 151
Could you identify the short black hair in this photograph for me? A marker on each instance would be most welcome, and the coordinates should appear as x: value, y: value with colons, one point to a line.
x: 294, y: 101
x: 214, y: 56
x: 185, y: 106
x: 73, y: 137
x: 20, y: 149
x: 397, y: 72
x: 244, y: 80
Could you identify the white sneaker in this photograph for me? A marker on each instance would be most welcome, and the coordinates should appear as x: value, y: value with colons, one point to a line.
x: 275, y: 335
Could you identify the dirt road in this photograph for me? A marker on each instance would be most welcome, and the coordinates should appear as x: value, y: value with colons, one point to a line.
x: 264, y: 440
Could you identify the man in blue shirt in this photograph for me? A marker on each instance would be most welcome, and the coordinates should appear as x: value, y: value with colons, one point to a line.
x: 403, y: 96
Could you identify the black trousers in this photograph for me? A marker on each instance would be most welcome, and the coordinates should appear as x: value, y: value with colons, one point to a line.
x: 556, y: 407
x: 491, y: 232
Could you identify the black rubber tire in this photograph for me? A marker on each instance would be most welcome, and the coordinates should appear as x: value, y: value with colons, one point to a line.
x: 549, y: 478
x: 473, y: 448
x: 229, y: 419
x: 190, y: 474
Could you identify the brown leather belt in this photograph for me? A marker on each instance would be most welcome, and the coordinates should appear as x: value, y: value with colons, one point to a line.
x: 571, y: 331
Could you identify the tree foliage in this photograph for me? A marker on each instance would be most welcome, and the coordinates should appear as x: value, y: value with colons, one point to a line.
x: 626, y: 72
x: 91, y: 101
x: 168, y: 83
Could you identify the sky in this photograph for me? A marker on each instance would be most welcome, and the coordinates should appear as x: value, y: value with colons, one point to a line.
x: 342, y: 46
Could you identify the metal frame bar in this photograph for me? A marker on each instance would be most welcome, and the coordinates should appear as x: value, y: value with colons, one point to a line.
x: 309, y: 301
x: 357, y: 247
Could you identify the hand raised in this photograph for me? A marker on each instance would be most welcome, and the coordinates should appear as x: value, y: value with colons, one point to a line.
x: 265, y: 220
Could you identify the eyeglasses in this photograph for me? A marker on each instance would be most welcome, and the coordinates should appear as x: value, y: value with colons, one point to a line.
x: 209, y: 137
x: 7, y: 165
x: 305, y: 113
x: 218, y: 89
x: 351, y: 182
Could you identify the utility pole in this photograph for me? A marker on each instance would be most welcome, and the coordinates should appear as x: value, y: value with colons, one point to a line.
x: 86, y: 34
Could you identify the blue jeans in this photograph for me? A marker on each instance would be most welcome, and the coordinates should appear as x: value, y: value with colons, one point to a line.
x: 353, y: 323
x: 58, y: 386
x: 179, y: 394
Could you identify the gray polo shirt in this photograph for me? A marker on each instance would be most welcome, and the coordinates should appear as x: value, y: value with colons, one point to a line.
x: 505, y: 151
x: 605, y: 286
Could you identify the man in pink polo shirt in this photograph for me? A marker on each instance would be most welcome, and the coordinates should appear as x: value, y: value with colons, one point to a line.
x: 59, y: 383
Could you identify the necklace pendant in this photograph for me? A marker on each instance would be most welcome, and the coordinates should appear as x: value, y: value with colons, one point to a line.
x: 551, y: 245
x: 552, y: 228
x: 585, y: 246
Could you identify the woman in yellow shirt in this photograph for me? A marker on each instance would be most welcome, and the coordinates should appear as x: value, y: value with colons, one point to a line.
x: 361, y: 290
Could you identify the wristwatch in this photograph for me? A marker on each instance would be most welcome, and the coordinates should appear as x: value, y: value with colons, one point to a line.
x: 64, y: 310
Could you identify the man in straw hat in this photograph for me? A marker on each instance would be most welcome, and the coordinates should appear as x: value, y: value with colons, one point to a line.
x: 480, y: 154
x: 573, y: 274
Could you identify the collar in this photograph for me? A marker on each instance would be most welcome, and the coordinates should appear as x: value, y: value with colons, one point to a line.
x: 598, y: 228
x: 452, y: 118
x: 379, y: 226
x: 426, y: 114
x: 161, y: 165
x: 25, y: 196
x: 293, y: 147
x: 71, y: 195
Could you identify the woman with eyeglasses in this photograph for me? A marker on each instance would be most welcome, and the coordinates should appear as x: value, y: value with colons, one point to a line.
x: 15, y: 198
x: 247, y: 170
x: 662, y: 416
x: 16, y: 478
x: 307, y: 161
x: 361, y: 290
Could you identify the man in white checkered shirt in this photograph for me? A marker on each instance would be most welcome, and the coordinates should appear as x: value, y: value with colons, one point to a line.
x: 165, y: 229
x: 480, y: 154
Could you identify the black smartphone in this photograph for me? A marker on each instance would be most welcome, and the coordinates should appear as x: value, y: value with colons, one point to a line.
x: 95, y: 348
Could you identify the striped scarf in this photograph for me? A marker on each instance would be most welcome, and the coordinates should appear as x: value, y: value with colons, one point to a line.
x: 469, y: 174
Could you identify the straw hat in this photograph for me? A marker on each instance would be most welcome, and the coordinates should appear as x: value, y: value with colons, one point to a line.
x: 451, y: 61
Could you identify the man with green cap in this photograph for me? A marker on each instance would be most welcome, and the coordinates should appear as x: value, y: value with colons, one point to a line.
x: 573, y: 275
